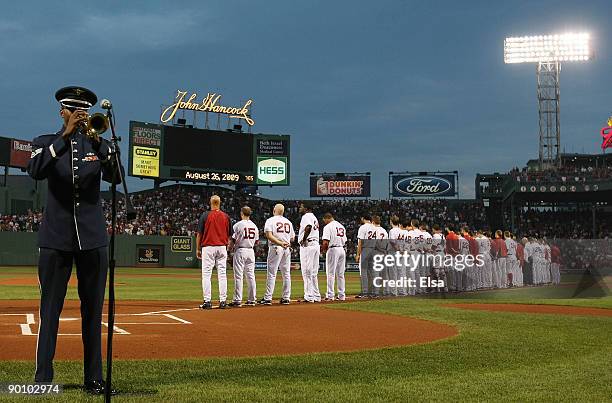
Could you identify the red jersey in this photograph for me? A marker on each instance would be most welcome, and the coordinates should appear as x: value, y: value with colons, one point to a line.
x: 452, y: 244
x: 520, y: 253
x: 555, y: 254
x: 498, y: 247
x: 215, y: 228
x: 473, y: 244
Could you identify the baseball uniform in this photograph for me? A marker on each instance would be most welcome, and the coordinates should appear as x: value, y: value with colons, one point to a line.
x: 412, y: 244
x: 246, y: 235
x: 426, y: 241
x: 215, y: 229
x: 335, y: 259
x: 309, y: 257
x: 381, y: 248
x: 396, y: 238
x: 367, y: 236
x: 279, y: 258
x: 437, y: 250
x: 462, y: 275
x: 512, y: 264
x: 484, y: 247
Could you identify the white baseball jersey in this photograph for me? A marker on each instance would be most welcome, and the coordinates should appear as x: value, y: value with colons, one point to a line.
x: 464, y: 246
x: 280, y: 227
x: 412, y: 239
x: 309, y: 219
x: 427, y: 240
x: 366, y: 231
x: 511, y: 246
x: 484, y: 245
x: 335, y: 233
x: 538, y: 251
x: 246, y: 234
x: 396, y: 233
x: 438, y: 244
x: 528, y: 251
x: 547, y: 253
x: 380, y: 232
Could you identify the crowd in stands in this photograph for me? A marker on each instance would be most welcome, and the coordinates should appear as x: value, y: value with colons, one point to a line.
x: 175, y: 210
x: 568, y: 173
x: 28, y: 222
x: 565, y: 224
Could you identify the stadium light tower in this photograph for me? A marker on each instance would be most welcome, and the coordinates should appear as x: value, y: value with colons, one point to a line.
x: 548, y: 51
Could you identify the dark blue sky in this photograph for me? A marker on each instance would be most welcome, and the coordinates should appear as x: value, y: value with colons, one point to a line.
x: 361, y: 86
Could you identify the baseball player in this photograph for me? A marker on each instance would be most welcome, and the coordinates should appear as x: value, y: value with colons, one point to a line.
x: 463, y: 275
x: 308, y: 238
x: 380, y: 234
x: 214, y: 231
x: 555, y: 258
x: 279, y: 232
x: 396, y: 240
x: 547, y: 262
x: 452, y: 249
x: 537, y: 254
x: 334, y: 239
x: 413, y: 243
x: 500, y: 254
x: 528, y: 269
x: 484, y: 248
x: 426, y: 244
x: 437, y: 250
x: 246, y: 235
x: 365, y: 251
x: 520, y: 256
x: 512, y: 265
x: 471, y: 271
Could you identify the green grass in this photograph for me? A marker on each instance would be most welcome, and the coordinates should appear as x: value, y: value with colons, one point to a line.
x: 163, y: 284
x: 498, y: 356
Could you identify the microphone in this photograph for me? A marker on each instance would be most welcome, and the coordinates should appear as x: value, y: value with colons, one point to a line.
x: 106, y: 104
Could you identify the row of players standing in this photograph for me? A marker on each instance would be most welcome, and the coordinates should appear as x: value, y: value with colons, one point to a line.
x: 494, y: 262
x: 505, y: 261
x: 216, y: 236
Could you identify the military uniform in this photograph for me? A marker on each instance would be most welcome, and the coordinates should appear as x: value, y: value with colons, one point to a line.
x: 73, y: 230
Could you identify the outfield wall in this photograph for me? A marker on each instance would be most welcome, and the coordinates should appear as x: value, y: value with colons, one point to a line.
x: 20, y: 249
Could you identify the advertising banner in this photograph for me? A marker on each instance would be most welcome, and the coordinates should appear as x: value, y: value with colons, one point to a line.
x: 339, y: 185
x: 430, y: 185
x: 150, y: 255
x: 21, y: 150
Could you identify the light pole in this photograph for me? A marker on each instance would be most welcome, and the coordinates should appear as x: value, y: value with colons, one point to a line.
x: 548, y: 51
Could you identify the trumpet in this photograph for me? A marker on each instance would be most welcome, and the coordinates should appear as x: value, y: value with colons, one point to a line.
x: 95, y: 125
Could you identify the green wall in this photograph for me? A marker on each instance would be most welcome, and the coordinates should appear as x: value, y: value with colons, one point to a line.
x: 20, y: 249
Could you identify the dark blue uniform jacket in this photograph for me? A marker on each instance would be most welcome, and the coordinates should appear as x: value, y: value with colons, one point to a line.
x: 73, y: 218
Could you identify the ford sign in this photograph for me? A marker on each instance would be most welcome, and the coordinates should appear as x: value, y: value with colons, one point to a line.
x: 423, y: 186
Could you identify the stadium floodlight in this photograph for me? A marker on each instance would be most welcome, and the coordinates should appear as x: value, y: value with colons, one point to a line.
x: 548, y: 51
x: 548, y: 48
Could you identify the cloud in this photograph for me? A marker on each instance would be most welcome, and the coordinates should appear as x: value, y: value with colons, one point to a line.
x: 152, y: 31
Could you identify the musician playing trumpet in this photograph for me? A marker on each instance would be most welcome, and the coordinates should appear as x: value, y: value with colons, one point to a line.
x: 73, y: 229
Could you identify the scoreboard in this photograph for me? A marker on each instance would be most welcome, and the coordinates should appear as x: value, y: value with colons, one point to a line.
x: 210, y: 156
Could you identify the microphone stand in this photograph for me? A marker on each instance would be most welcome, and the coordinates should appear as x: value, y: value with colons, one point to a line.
x: 117, y: 171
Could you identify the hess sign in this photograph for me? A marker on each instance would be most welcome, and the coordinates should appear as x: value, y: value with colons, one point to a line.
x: 414, y: 186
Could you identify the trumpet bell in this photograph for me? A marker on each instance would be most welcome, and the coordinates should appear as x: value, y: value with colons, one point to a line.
x: 96, y: 124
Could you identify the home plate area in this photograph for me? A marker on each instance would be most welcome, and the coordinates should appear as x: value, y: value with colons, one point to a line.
x: 125, y: 323
x: 178, y: 329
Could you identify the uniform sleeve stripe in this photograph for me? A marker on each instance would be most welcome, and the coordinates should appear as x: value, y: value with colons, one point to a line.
x: 52, y: 150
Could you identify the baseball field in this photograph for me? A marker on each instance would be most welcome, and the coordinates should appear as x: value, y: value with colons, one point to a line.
x: 507, y: 345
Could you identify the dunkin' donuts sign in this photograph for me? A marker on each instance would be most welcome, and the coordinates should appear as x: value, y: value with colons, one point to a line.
x: 423, y: 186
x: 339, y: 186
